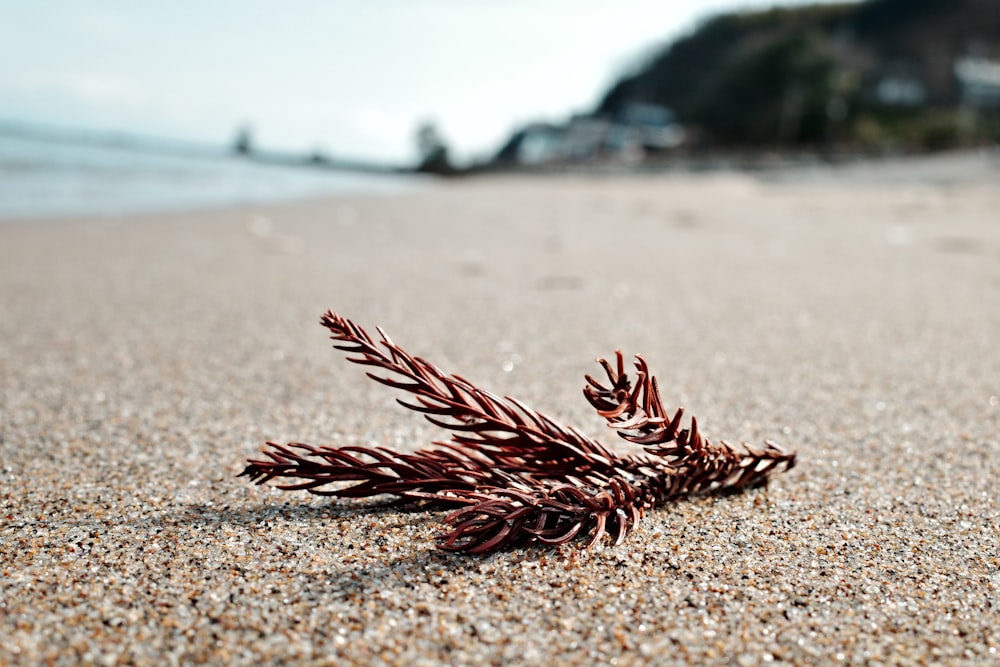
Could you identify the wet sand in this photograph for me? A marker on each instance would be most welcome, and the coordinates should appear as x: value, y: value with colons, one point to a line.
x: 852, y: 314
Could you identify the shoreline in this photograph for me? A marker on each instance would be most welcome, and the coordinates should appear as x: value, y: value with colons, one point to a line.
x: 70, y: 180
x: 952, y: 168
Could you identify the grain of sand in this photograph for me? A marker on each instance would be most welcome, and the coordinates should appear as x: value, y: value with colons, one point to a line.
x: 851, y: 316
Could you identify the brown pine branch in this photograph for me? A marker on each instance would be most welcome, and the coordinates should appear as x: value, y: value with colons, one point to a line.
x: 516, y: 475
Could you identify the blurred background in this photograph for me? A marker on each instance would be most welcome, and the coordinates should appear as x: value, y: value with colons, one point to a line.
x: 110, y: 106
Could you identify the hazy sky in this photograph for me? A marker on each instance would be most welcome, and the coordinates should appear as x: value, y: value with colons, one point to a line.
x: 353, y: 78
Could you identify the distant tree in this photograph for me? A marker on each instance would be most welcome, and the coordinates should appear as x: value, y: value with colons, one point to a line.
x: 432, y: 150
x: 243, y: 143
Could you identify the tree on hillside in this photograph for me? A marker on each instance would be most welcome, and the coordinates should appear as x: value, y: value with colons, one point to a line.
x: 778, y: 91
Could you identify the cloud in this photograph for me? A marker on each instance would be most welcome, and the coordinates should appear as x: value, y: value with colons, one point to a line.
x: 102, y: 89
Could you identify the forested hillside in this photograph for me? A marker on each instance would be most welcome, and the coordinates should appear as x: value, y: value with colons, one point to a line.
x: 870, y: 74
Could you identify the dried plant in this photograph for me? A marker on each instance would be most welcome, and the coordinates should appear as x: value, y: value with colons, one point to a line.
x: 514, y: 474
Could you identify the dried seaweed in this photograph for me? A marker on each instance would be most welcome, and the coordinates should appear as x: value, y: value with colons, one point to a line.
x: 515, y: 475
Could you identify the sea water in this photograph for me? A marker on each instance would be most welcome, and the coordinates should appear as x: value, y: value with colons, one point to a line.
x: 43, y: 178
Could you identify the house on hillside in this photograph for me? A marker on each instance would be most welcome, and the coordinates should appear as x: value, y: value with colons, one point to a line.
x: 627, y: 135
x: 652, y: 126
x: 901, y: 90
x: 586, y: 136
x: 534, y: 144
x: 979, y: 81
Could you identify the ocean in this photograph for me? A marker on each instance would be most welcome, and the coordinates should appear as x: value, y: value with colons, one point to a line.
x: 44, y: 179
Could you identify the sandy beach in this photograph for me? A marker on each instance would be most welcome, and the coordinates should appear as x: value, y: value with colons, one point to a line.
x: 850, y: 313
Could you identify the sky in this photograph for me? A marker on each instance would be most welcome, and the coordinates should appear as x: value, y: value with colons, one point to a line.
x: 353, y: 78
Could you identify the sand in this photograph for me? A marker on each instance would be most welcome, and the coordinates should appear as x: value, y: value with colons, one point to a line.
x: 852, y: 314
